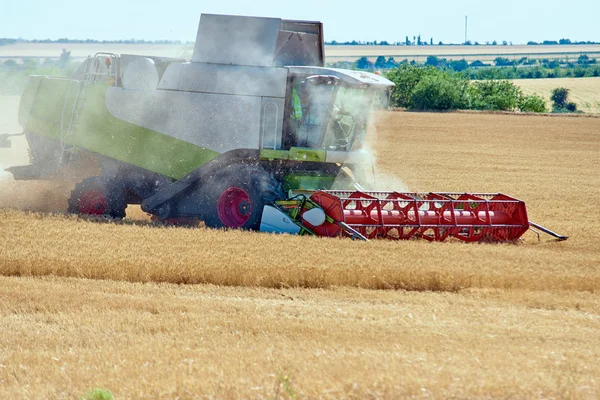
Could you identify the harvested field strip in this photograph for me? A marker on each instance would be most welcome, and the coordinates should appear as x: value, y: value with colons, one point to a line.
x: 63, y: 337
x: 41, y: 245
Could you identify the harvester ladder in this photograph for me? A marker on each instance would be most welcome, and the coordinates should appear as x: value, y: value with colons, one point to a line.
x: 89, y: 77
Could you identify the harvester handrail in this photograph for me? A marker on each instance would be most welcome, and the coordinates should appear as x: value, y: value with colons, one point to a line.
x: 56, y: 78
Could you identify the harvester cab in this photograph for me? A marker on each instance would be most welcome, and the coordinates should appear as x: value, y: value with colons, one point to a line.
x: 226, y: 137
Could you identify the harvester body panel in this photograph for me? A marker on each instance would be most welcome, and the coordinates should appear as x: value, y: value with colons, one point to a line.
x: 98, y: 131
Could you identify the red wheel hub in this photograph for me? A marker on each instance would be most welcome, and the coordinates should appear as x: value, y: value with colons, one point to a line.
x: 92, y: 202
x: 234, y: 207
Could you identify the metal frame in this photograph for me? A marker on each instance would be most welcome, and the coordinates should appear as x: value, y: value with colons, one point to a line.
x: 430, y: 216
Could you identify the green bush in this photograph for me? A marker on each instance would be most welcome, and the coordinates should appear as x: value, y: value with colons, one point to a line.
x: 98, y: 394
x: 406, y: 77
x: 439, y: 93
x: 571, y: 107
x: 533, y: 103
x: 433, y: 89
x: 495, y: 96
x: 559, y: 97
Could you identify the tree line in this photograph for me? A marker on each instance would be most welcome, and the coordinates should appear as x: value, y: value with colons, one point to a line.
x: 502, y: 68
x: 417, y: 41
x: 434, y: 89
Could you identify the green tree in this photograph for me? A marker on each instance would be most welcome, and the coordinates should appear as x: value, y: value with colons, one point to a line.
x: 364, y: 63
x: 559, y: 97
x: 65, y: 58
x: 432, y: 61
x: 406, y: 77
x: 438, y: 92
x: 459, y: 65
x: 533, y: 103
x: 571, y: 107
x: 380, y: 63
x: 495, y: 95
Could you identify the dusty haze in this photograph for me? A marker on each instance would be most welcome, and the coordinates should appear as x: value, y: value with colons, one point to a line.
x: 45, y: 196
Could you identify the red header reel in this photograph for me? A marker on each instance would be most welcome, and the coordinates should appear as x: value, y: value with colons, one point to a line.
x: 431, y: 216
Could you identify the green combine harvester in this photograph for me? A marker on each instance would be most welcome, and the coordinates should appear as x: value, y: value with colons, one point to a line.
x: 250, y: 133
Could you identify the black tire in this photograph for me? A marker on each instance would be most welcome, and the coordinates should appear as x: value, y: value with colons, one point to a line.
x: 98, y: 197
x: 235, y: 196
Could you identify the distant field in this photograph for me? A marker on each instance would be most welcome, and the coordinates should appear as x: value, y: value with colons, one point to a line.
x: 154, y: 312
x: 585, y: 92
x: 333, y: 53
x: 80, y: 50
x: 470, y: 53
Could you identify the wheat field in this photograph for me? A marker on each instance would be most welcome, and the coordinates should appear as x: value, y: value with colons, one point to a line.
x: 153, y: 312
x: 585, y: 92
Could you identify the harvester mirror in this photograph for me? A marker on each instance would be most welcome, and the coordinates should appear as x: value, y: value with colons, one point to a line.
x: 5, y: 143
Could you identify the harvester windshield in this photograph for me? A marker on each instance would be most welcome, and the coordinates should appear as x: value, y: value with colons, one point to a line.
x: 349, y: 118
x: 326, y: 116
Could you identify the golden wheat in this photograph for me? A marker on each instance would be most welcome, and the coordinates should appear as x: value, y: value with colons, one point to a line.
x: 285, y: 317
x: 530, y: 157
x: 585, y: 92
x: 62, y: 337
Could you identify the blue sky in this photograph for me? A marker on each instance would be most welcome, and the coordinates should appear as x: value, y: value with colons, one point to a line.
x: 510, y: 20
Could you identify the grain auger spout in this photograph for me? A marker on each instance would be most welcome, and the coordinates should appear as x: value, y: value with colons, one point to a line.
x: 402, y: 216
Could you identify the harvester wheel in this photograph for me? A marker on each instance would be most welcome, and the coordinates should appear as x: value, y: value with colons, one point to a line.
x: 95, y: 196
x: 235, y: 197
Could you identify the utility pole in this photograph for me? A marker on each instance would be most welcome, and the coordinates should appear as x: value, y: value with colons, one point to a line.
x: 466, y: 25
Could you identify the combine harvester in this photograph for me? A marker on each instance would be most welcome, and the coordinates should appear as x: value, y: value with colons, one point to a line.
x: 253, y: 132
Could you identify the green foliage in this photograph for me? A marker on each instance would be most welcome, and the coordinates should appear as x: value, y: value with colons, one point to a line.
x: 503, y: 62
x: 495, y: 95
x: 533, y: 103
x: 439, y: 92
x: 380, y: 63
x: 285, y: 381
x: 406, y: 77
x: 559, y: 97
x: 560, y: 101
x: 458, y: 65
x: 65, y: 58
x: 98, y: 394
x: 364, y: 63
x: 430, y: 88
x: 432, y: 61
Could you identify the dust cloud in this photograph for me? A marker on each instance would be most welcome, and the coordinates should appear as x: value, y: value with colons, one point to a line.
x: 42, y: 196
x: 380, y: 179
